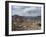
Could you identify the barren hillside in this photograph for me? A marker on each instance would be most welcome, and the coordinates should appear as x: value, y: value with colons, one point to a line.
x: 20, y: 23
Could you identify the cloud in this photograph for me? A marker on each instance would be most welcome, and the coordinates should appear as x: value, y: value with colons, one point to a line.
x: 26, y: 10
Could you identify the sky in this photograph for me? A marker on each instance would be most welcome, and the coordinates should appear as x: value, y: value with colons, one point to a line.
x: 26, y: 10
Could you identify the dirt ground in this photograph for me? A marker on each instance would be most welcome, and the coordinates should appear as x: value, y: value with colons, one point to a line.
x: 26, y: 25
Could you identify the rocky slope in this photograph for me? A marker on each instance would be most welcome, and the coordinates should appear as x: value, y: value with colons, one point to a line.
x: 20, y: 23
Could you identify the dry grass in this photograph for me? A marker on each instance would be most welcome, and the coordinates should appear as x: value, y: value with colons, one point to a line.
x: 26, y: 25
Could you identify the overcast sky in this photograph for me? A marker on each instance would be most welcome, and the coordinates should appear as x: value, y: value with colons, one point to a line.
x: 26, y: 10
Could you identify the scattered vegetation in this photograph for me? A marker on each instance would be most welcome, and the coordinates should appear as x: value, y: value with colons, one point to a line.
x: 19, y: 23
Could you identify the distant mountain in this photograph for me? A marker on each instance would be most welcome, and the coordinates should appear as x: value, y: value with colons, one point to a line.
x: 31, y: 16
x: 26, y: 17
